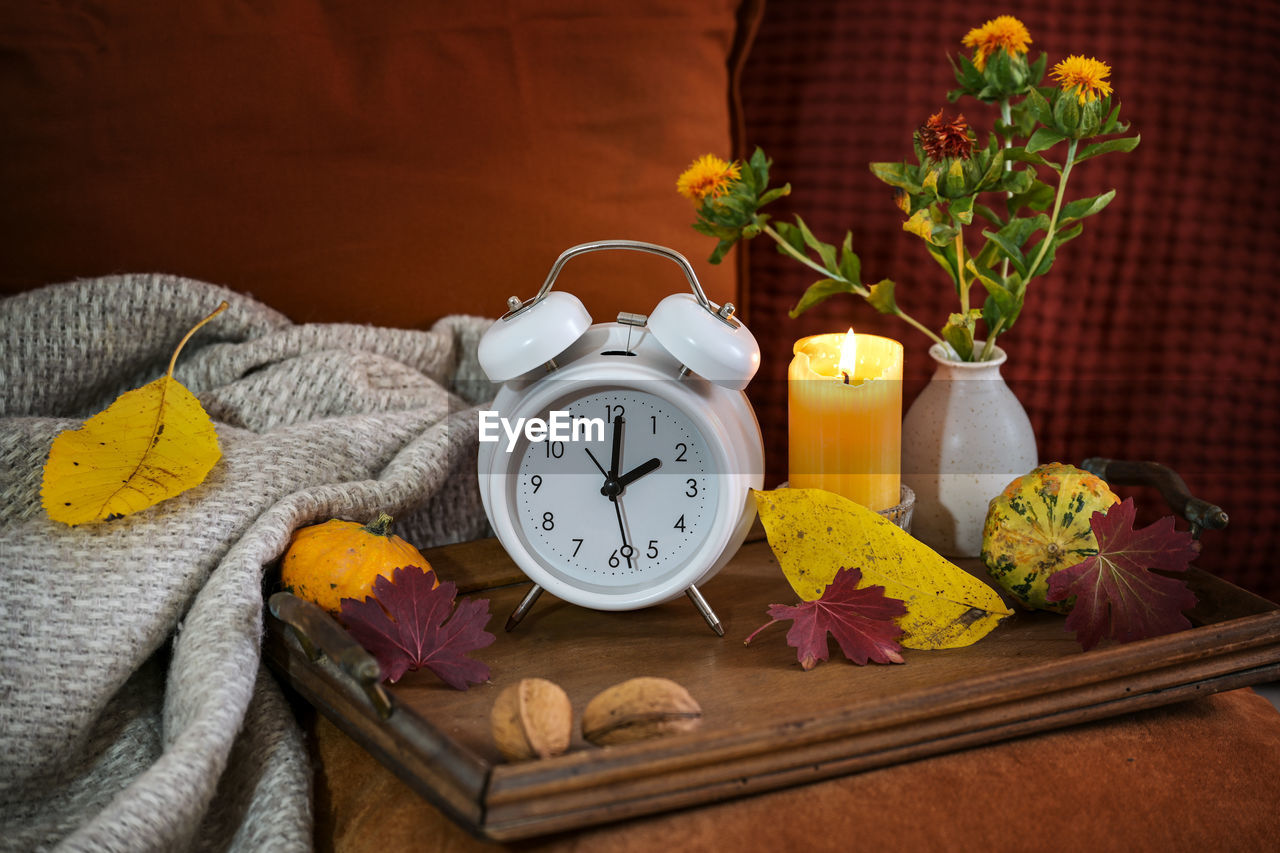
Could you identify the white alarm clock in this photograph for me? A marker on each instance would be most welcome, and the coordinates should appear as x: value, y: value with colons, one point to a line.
x: 617, y: 463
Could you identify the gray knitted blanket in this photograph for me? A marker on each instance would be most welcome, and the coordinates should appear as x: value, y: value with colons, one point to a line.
x: 134, y: 711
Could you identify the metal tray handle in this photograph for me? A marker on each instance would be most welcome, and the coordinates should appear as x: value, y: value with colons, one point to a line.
x: 1201, y: 514
x: 318, y: 635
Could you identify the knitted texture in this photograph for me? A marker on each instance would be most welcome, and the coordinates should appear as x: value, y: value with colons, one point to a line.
x: 134, y: 710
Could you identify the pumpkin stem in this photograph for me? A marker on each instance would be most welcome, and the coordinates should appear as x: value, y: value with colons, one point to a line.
x: 380, y: 526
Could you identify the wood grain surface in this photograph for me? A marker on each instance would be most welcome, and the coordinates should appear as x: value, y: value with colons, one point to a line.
x: 766, y: 723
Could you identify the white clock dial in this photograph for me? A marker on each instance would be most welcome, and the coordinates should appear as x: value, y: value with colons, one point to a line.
x: 616, y: 524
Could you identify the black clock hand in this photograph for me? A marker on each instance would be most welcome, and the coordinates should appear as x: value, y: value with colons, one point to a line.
x: 617, y: 447
x: 617, y: 505
x: 639, y: 471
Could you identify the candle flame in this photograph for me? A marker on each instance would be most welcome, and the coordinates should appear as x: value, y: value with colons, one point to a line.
x: 848, y: 356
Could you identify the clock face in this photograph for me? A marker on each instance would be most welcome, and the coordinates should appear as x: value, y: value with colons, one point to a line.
x: 613, y: 520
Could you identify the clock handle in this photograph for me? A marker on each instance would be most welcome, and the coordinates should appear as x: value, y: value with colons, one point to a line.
x: 724, y: 312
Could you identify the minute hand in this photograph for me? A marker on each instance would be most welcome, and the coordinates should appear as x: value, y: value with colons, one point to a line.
x: 639, y: 471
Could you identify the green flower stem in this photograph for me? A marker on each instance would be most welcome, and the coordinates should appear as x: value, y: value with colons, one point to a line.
x: 1057, y: 204
x: 1006, y: 115
x: 919, y: 326
x: 960, y: 282
x: 804, y: 259
x: 858, y: 288
x: 988, y: 349
x: 1048, y: 237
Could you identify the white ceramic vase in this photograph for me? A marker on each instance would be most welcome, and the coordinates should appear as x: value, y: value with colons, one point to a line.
x: 964, y: 439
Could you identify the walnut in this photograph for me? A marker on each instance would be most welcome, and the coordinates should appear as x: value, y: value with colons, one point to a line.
x: 532, y: 719
x: 639, y: 709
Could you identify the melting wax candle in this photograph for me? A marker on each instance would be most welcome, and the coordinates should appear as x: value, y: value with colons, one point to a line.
x: 844, y: 395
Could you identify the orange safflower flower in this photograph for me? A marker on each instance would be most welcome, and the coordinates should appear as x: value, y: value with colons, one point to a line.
x: 1005, y: 32
x: 1087, y: 75
x: 707, y: 176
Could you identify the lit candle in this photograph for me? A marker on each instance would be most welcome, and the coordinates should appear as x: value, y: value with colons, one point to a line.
x: 845, y: 417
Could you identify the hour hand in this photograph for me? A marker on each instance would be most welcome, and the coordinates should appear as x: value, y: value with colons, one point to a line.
x: 639, y: 471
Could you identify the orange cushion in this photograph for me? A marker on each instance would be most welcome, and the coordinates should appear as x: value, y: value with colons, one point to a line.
x: 347, y: 162
x: 1194, y: 776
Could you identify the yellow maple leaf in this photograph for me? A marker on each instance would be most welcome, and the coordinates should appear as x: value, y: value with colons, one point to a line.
x: 152, y: 443
x: 814, y: 533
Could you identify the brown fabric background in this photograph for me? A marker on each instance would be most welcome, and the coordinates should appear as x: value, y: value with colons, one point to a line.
x: 1195, y: 776
x: 387, y: 163
x: 1155, y: 334
x: 391, y: 168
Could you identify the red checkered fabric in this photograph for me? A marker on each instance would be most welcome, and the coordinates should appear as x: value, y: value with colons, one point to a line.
x: 1155, y: 336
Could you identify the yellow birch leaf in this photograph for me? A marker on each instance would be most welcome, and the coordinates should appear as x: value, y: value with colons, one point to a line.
x: 152, y: 443
x: 814, y: 533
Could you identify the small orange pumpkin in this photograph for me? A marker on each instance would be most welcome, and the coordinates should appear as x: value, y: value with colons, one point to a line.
x: 339, y: 559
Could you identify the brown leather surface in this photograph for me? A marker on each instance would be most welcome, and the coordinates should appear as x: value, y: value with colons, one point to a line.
x: 1199, y: 775
x: 344, y: 162
x: 1154, y: 336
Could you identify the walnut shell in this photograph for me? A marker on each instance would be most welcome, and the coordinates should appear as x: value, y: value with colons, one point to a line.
x: 532, y: 718
x: 639, y: 709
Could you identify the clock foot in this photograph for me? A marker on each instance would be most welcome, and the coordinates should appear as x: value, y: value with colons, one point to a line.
x: 705, y: 609
x: 523, y: 607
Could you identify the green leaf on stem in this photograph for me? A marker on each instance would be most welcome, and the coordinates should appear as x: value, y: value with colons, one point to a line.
x: 945, y: 256
x: 1038, y: 69
x: 988, y: 214
x: 1083, y: 207
x: 988, y: 255
x: 897, y: 175
x: 1009, y: 248
x: 1124, y: 144
x: 722, y: 249
x: 825, y: 251
x: 775, y: 194
x: 1039, y: 196
x: 1022, y: 155
x: 1005, y: 300
x: 881, y: 297
x: 995, y: 171
x: 920, y: 224
x: 1043, y: 139
x: 959, y: 333
x: 850, y: 263
x: 791, y: 235
x: 817, y: 292
x: 1039, y: 107
x: 759, y: 168
x: 1061, y: 236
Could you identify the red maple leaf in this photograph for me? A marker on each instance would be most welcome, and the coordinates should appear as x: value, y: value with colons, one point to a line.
x: 861, y: 620
x: 403, y: 626
x: 1116, y: 594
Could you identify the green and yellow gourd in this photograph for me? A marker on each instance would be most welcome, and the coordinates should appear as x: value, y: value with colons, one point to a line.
x: 1039, y: 525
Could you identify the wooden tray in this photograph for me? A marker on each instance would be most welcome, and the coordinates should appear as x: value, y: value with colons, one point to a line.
x: 767, y: 724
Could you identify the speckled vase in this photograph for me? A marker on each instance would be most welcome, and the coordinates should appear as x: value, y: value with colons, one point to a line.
x: 964, y: 439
